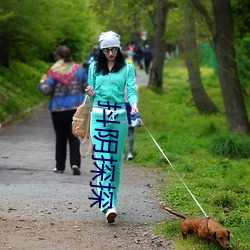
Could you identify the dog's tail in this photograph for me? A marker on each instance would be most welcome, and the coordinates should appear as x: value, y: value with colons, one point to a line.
x: 175, y: 213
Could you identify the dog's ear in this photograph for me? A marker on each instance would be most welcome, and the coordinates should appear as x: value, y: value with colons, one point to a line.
x: 214, y: 235
x: 228, y: 237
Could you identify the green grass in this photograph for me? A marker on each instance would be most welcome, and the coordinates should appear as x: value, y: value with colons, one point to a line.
x: 19, y: 88
x: 214, y: 164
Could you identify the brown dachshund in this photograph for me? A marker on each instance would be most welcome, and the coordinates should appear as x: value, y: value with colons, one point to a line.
x: 204, y: 229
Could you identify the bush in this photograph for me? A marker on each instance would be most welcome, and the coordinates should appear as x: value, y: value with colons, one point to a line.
x: 223, y: 200
x: 19, y: 88
x: 231, y: 146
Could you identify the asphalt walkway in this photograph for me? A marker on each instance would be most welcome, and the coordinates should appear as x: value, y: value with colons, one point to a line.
x: 29, y: 187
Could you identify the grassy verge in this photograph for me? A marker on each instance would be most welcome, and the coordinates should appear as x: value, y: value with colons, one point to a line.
x: 213, y: 164
x: 19, y: 89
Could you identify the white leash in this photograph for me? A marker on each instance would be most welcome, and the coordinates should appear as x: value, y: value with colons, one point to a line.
x: 174, y: 170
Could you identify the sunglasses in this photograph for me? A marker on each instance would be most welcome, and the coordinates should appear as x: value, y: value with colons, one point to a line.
x: 106, y: 51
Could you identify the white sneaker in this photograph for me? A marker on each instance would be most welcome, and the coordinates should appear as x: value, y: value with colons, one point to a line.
x: 58, y: 171
x: 111, y: 215
x: 129, y: 156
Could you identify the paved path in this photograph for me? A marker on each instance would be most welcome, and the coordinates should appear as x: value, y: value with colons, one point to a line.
x: 26, y: 163
x: 141, y: 78
x: 30, y: 190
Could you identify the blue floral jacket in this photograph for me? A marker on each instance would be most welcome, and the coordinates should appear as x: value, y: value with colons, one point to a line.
x: 65, y: 97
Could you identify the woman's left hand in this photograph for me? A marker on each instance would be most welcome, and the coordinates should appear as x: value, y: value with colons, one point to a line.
x: 134, y: 109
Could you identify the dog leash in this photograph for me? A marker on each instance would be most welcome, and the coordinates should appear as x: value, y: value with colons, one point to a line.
x: 174, y: 169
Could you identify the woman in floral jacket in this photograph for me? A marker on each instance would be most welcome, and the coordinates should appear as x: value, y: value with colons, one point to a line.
x: 66, y: 83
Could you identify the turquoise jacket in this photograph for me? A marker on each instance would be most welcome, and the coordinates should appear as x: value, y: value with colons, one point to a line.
x: 111, y: 87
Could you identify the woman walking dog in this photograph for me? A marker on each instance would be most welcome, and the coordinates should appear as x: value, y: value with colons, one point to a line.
x: 108, y: 78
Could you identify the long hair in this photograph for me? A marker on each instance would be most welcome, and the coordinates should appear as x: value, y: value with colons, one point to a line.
x: 102, y: 66
x: 63, y: 52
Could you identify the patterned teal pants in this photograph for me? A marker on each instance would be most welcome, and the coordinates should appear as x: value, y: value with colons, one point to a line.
x: 108, y: 139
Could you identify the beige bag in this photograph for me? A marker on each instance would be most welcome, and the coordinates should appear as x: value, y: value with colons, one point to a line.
x: 81, y: 125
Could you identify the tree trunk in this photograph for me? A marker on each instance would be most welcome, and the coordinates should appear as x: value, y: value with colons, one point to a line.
x: 223, y: 38
x: 201, y: 99
x: 159, y: 47
x: 235, y: 109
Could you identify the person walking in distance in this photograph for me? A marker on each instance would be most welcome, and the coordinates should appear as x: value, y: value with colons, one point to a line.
x: 108, y: 78
x: 130, y: 133
x: 65, y: 83
x: 131, y: 129
x: 147, y: 54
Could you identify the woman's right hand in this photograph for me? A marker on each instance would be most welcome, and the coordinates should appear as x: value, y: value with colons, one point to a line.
x: 134, y: 109
x: 90, y: 91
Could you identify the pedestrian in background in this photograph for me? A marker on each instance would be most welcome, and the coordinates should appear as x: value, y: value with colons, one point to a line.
x: 147, y: 54
x: 131, y: 129
x: 138, y: 52
x: 65, y: 83
x: 108, y: 78
x: 92, y: 57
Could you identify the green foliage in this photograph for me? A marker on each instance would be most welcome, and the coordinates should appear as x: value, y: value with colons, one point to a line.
x: 219, y: 183
x: 243, y: 59
x: 224, y: 200
x: 175, y: 25
x: 127, y: 17
x: 176, y: 18
x: 231, y: 146
x: 241, y: 17
x: 29, y: 33
x: 19, y: 87
x: 170, y: 230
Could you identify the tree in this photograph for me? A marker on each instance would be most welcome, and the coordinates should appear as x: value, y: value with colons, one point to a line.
x: 126, y: 17
x: 242, y: 33
x: 159, y: 46
x: 28, y: 33
x: 223, y: 38
x: 201, y: 99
